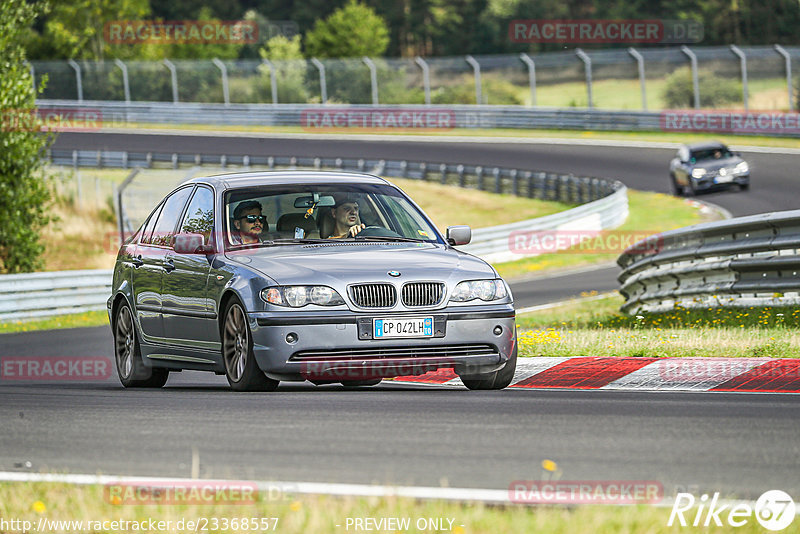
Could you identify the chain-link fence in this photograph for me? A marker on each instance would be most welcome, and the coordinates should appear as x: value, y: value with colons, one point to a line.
x: 757, y: 78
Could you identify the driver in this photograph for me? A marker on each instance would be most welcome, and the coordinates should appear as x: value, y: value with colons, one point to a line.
x: 347, y: 222
x: 248, y: 222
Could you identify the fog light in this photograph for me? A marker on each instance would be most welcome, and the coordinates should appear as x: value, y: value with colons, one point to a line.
x: 498, y: 330
x: 291, y: 338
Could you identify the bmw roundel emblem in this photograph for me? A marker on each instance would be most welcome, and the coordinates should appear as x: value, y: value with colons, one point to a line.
x: 394, y: 273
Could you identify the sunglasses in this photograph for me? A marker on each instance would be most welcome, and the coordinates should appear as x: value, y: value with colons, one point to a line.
x: 253, y: 218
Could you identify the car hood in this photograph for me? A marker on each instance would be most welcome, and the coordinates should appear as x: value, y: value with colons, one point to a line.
x: 345, y: 263
x: 715, y: 165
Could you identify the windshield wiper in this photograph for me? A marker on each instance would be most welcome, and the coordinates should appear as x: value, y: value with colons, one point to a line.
x: 389, y: 238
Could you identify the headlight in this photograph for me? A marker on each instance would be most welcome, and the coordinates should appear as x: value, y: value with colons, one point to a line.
x: 299, y: 296
x: 698, y: 173
x: 485, y: 290
x: 741, y: 168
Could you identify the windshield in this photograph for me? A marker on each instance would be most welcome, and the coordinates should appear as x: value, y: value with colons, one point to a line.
x: 711, y: 154
x: 299, y: 213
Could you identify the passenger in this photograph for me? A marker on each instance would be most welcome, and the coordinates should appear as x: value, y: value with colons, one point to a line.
x: 248, y: 223
x: 347, y: 222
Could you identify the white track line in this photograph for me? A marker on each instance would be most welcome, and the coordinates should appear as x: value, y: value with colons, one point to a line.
x: 437, y: 139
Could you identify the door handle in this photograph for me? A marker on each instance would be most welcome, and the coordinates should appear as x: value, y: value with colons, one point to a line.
x: 168, y: 265
x: 137, y: 261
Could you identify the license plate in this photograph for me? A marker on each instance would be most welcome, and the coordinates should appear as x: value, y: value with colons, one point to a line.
x: 387, y: 327
x: 724, y: 179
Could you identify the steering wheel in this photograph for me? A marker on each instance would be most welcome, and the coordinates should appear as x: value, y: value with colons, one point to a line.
x: 377, y: 231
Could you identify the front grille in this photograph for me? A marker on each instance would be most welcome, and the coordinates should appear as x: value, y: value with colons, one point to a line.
x: 374, y: 295
x: 416, y: 294
x: 377, y: 353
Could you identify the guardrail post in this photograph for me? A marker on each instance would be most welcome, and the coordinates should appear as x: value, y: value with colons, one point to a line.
x: 531, y: 75
x: 788, y: 65
x: 226, y: 96
x: 174, y: 75
x: 126, y: 88
x: 497, y: 179
x: 743, y: 66
x: 479, y: 176
x: 514, y: 182
x: 426, y: 78
x: 78, y: 79
x: 423, y: 171
x: 587, y: 67
x: 120, y: 205
x: 476, y: 69
x: 273, y: 79
x: 323, y: 89
x: 373, y: 78
x: 460, y: 172
x: 640, y: 65
x: 443, y: 171
x: 695, y: 82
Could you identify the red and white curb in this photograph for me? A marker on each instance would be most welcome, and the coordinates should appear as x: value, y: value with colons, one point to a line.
x: 759, y: 375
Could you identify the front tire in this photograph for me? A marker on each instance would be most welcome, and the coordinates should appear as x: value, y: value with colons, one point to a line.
x: 496, y: 379
x: 241, y: 369
x: 677, y: 190
x: 132, y: 371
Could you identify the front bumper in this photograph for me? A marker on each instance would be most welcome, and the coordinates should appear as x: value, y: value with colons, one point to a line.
x: 331, y: 346
x: 718, y: 182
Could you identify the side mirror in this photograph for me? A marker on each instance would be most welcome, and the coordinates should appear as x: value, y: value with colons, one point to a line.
x: 190, y: 244
x: 459, y: 235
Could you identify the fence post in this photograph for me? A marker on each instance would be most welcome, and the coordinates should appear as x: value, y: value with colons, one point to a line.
x: 373, y: 78
x: 743, y: 65
x: 476, y: 68
x: 125, y: 86
x: 273, y: 79
x: 226, y: 96
x: 788, y: 62
x: 426, y: 78
x: 640, y: 63
x: 78, y: 80
x: 531, y: 75
x: 174, y: 74
x: 323, y: 89
x: 120, y: 206
x: 695, y: 82
x: 587, y: 67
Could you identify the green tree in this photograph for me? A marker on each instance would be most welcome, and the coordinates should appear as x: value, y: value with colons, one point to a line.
x: 290, y: 66
x: 24, y: 197
x: 351, y: 31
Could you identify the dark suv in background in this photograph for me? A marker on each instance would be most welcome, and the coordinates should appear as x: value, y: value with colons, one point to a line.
x: 706, y: 166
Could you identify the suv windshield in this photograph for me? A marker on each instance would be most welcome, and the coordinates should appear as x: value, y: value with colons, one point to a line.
x: 711, y: 154
x: 298, y: 213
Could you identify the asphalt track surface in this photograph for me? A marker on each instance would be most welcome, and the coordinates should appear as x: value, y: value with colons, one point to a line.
x: 742, y: 444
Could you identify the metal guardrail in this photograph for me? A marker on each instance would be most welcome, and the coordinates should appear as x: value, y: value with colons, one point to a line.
x: 746, y: 261
x: 32, y: 295
x: 103, y: 114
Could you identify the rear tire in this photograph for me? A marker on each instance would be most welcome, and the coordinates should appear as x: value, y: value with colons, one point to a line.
x: 496, y: 379
x: 744, y: 187
x: 241, y: 369
x: 132, y: 371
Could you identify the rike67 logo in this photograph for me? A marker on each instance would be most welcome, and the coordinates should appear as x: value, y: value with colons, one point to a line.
x: 774, y: 510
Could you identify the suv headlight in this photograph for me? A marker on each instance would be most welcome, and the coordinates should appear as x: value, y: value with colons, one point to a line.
x: 698, y: 173
x: 486, y: 290
x: 299, y: 296
x: 741, y: 168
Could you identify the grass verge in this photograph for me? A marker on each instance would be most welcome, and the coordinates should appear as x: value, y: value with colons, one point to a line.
x: 649, y: 213
x: 597, y: 328
x: 75, y: 320
x: 285, y: 513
